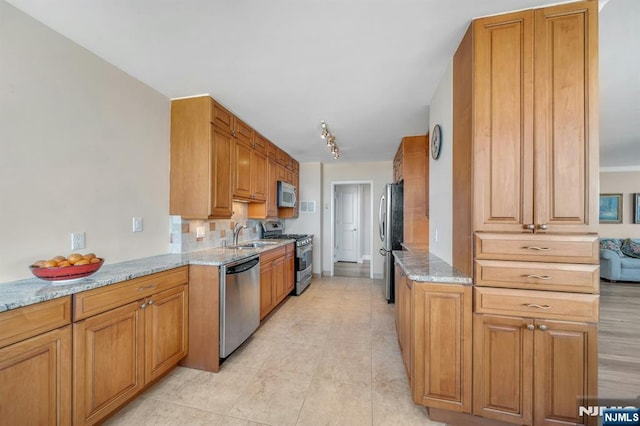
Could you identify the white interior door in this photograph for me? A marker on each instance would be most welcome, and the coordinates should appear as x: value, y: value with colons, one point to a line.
x: 347, y: 223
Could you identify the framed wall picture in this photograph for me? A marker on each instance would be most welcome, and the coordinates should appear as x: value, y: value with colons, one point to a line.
x: 610, y: 208
x: 636, y: 208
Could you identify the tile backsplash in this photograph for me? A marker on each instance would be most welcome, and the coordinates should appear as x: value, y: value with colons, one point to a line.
x: 189, y: 235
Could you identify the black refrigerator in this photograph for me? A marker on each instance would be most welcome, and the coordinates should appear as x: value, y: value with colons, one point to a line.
x: 391, y: 229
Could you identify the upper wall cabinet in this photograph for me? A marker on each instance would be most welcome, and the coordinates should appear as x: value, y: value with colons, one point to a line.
x: 201, y: 159
x: 534, y: 103
x: 216, y: 158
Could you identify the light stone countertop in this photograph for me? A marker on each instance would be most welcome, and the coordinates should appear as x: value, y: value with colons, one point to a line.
x: 15, y: 294
x: 423, y: 266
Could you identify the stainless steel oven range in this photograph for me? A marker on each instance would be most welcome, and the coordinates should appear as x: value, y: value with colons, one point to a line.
x: 304, y: 252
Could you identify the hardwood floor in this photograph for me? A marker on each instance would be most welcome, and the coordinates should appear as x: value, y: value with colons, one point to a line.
x: 352, y: 269
x: 619, y: 340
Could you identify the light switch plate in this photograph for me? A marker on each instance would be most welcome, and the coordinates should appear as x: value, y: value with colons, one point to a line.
x: 137, y: 224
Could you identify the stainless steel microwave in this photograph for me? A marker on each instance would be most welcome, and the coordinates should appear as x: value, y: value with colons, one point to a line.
x: 286, y: 195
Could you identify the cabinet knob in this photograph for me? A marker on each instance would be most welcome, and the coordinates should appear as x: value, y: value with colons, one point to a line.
x: 531, y: 327
x: 150, y: 302
x: 144, y: 305
x: 530, y: 227
x: 543, y: 327
x: 543, y: 227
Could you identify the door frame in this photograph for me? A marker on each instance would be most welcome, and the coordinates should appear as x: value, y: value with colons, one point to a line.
x: 333, y: 219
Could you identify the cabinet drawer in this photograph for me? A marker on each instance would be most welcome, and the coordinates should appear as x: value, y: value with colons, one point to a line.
x: 537, y: 304
x: 538, y: 275
x: 538, y: 247
x: 221, y: 117
x: 28, y: 321
x: 271, y: 255
x: 92, y: 302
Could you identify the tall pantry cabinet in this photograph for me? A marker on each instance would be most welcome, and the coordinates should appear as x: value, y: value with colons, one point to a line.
x: 525, y: 188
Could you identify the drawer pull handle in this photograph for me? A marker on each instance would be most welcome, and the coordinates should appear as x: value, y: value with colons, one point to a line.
x: 147, y: 287
x: 535, y: 305
x: 536, y: 248
x: 539, y: 277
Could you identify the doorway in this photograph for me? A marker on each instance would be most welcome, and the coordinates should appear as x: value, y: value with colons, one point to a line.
x: 351, y: 223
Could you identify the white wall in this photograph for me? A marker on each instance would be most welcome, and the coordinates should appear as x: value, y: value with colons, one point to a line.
x: 83, y: 147
x: 310, y: 223
x: 380, y: 173
x: 627, y: 184
x: 441, y: 170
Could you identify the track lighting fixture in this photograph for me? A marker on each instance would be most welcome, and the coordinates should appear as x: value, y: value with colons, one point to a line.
x: 331, y: 140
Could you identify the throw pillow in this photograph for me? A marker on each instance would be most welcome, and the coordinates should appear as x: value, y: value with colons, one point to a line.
x: 611, y: 244
x: 630, y: 248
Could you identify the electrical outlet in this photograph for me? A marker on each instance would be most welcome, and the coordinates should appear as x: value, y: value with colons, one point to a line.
x: 78, y: 241
x: 200, y: 232
x: 137, y: 224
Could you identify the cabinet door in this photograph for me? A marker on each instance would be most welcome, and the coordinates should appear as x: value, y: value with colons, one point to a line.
x: 406, y: 320
x: 258, y: 176
x: 398, y: 274
x: 566, y: 364
x: 266, y: 289
x: 272, y: 189
x: 503, y: 131
x: 441, y: 351
x: 290, y: 273
x: 503, y: 368
x: 108, y: 363
x: 566, y: 128
x: 166, y: 331
x: 221, y: 173
x: 36, y: 380
x: 242, y: 174
x: 279, y: 276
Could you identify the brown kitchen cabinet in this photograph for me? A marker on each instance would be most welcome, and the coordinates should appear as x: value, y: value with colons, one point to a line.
x: 434, y: 324
x: 125, y: 336
x: 274, y: 274
x: 35, y: 364
x: 290, y: 272
x: 519, y: 360
x: 404, y: 319
x: 269, y: 181
x: 411, y: 165
x: 250, y: 172
x: 202, y: 159
x: 535, y: 124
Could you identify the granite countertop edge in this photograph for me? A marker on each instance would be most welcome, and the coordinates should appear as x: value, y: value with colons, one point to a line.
x: 422, y: 266
x: 16, y: 294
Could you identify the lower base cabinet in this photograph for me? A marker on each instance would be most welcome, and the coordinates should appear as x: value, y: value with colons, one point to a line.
x: 529, y: 371
x: 441, y: 345
x: 120, y: 351
x: 434, y: 324
x: 35, y: 380
x: 276, y: 277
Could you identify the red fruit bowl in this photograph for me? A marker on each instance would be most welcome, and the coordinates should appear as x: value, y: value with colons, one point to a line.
x: 67, y: 273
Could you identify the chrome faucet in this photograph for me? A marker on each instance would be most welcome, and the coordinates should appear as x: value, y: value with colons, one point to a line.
x: 236, y: 232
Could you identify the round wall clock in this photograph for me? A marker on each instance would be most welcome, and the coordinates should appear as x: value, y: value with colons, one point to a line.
x: 436, y: 141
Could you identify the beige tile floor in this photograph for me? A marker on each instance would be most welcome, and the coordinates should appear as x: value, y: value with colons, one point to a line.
x: 327, y: 357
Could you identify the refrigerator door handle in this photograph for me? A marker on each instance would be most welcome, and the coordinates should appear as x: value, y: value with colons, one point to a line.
x: 381, y: 217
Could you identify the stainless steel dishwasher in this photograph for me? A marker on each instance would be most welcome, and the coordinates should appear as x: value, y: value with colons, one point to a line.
x: 239, y: 302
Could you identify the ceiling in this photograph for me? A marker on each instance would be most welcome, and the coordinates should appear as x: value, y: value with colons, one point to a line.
x: 367, y: 67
